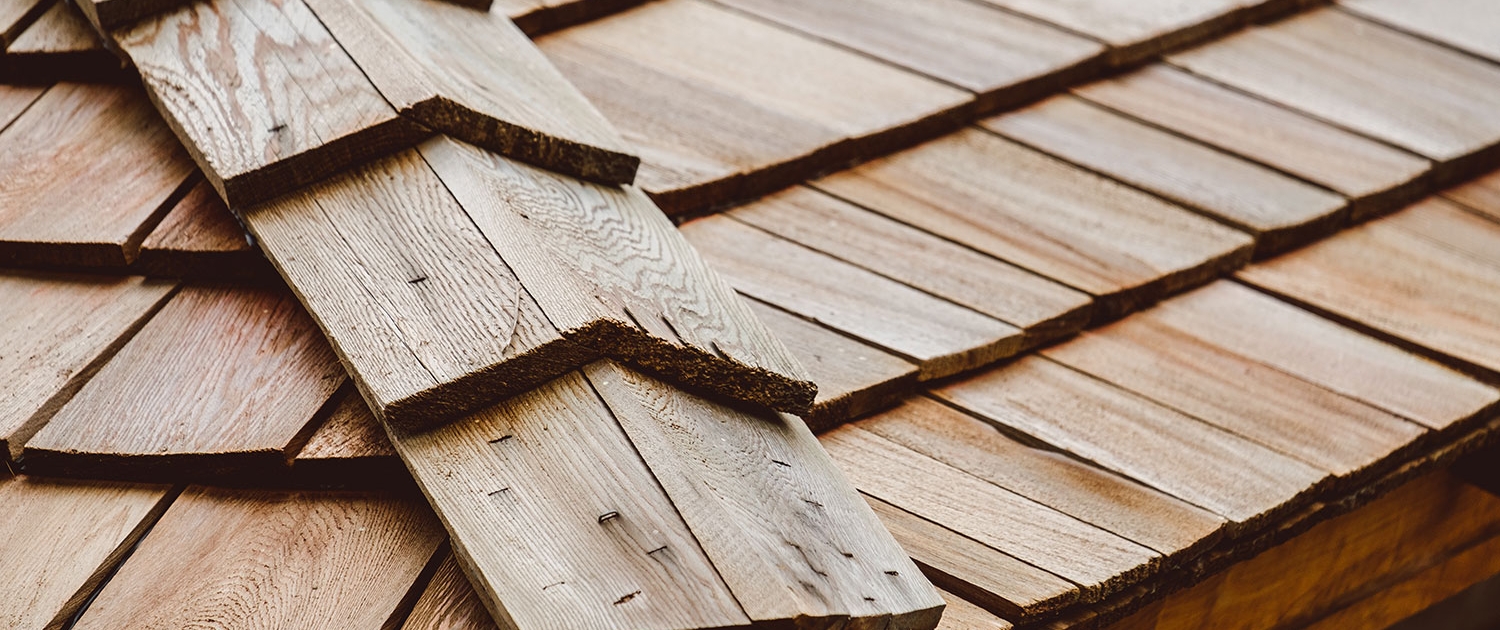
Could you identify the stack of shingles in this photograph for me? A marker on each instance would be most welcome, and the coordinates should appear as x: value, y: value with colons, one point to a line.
x: 450, y: 276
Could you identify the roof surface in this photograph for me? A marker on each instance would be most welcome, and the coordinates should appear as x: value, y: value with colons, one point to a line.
x: 1099, y: 301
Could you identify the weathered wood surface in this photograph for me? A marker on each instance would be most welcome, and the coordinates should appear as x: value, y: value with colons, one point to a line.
x: 611, y: 272
x: 760, y: 525
x: 1418, y: 287
x: 85, y: 173
x: 349, y: 448
x: 961, y: 615
x: 59, y: 46
x: 265, y: 100
x: 219, y: 379
x: 1376, y: 177
x: 449, y: 602
x: 1332, y: 432
x: 473, y: 75
x: 1135, y: 512
x: 1363, y: 76
x: 981, y: 573
x: 200, y: 238
x: 1096, y: 560
x: 15, y: 16
x: 1263, y: 329
x: 1468, y: 25
x: 14, y: 99
x: 272, y: 559
x: 60, y: 539
x: 1136, y: 30
x: 1043, y: 308
x: 1004, y: 58
x: 58, y: 331
x: 943, y: 338
x: 1334, y: 563
x: 724, y: 106
x: 1125, y: 247
x: 1481, y: 195
x: 1120, y: 431
x: 1279, y: 211
x: 853, y: 378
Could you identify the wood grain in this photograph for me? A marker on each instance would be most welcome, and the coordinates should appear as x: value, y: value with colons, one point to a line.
x: 1045, y: 309
x: 449, y: 603
x: 1004, y: 58
x: 1097, y: 561
x: 1428, y: 588
x: 1414, y: 94
x: 981, y: 573
x: 941, y: 337
x: 1374, y: 176
x: 272, y: 559
x: 473, y: 75
x: 1453, y: 226
x: 1481, y: 195
x: 262, y: 96
x: 1145, y: 516
x: 1122, y: 246
x: 200, y: 238
x: 16, y: 15
x: 761, y: 481
x: 853, y: 378
x: 961, y: 615
x: 1137, y: 30
x: 59, y: 331
x: 723, y: 106
x: 85, y: 173
x: 1280, y: 212
x: 221, y: 379
x: 59, y: 46
x: 1409, y: 286
x: 61, y: 539
x: 1467, y: 25
x: 1238, y: 479
x: 610, y: 271
x: 427, y: 318
x: 1265, y: 330
x: 14, y: 99
x: 349, y: 448
x: 554, y: 459
x: 1330, y: 431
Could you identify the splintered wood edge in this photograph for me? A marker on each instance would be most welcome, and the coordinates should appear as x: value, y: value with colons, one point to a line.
x: 560, y: 155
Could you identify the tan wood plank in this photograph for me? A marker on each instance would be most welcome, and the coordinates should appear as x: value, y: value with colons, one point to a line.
x: 1263, y: 329
x: 14, y: 99
x: 1453, y: 226
x: 473, y: 75
x: 349, y: 448
x: 182, y: 395
x: 979, y: 572
x: 941, y: 337
x: 16, y: 15
x: 1279, y: 211
x: 59, y: 331
x: 200, y: 238
x: 59, y: 46
x: 1002, y: 57
x: 1096, y: 560
x: 60, y: 539
x: 724, y: 106
x: 1467, y: 25
x: 762, y: 482
x: 609, y: 270
x: 1045, y: 309
x: 272, y: 559
x: 1374, y: 176
x: 961, y: 615
x: 1136, y: 30
x: 372, y: 253
x: 616, y: 553
x: 1330, y: 431
x: 853, y: 378
x: 449, y: 603
x: 84, y: 175
x: 1481, y: 195
x: 1145, y: 516
x: 1421, y: 591
x: 264, y: 98
x: 1402, y: 284
x: 1123, y: 432
x: 1016, y: 204
x: 1365, y: 77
